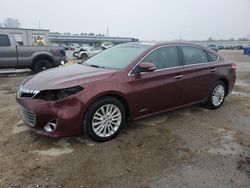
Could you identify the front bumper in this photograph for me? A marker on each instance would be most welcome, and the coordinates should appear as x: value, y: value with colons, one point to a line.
x: 67, y: 113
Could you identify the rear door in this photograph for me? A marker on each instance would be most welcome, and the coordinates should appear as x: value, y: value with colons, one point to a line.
x: 160, y: 89
x: 8, y: 53
x: 199, y: 74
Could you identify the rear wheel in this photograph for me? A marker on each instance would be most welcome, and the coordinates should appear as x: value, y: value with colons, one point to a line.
x: 42, y: 65
x: 218, y: 95
x: 104, y: 119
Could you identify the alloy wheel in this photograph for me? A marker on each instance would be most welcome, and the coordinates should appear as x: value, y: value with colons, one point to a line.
x: 106, y: 120
x: 218, y: 95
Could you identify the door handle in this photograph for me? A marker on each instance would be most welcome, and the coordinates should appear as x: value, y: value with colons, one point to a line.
x: 178, y: 77
x: 212, y: 70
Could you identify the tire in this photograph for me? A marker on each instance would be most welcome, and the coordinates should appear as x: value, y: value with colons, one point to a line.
x: 84, y: 57
x: 217, y: 96
x: 100, y: 124
x: 42, y: 65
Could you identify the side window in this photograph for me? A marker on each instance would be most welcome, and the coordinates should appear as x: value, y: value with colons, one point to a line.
x: 212, y: 57
x: 4, y: 40
x: 164, y: 57
x: 192, y: 55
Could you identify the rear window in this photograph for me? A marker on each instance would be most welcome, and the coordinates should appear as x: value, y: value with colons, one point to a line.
x: 4, y: 40
x: 212, y: 57
x: 193, y: 55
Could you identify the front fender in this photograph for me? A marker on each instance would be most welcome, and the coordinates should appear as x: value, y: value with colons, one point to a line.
x: 116, y: 94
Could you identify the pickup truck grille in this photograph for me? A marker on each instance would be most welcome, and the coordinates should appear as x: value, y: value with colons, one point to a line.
x: 28, y: 116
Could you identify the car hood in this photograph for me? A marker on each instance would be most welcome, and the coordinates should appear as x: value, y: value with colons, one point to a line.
x: 65, y: 77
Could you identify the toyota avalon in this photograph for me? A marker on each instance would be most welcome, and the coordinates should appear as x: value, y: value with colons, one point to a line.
x: 123, y: 83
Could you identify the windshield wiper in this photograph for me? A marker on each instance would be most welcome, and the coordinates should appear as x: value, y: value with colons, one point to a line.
x: 96, y: 66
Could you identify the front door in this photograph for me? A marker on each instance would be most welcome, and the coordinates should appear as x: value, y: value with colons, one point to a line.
x: 158, y: 90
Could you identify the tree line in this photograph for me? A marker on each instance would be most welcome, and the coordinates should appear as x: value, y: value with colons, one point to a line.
x: 11, y: 23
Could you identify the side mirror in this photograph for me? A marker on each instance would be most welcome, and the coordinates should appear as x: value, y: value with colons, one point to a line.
x: 146, y: 67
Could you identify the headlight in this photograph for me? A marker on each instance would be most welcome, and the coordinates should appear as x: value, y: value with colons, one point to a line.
x: 57, y: 94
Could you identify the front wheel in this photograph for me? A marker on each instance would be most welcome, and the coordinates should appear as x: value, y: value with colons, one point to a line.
x: 218, y: 95
x: 104, y: 119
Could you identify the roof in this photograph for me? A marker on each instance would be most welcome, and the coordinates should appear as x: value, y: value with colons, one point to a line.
x: 162, y: 43
x: 155, y: 44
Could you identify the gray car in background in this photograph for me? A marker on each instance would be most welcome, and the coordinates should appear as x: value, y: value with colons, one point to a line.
x: 36, y: 58
x: 213, y: 47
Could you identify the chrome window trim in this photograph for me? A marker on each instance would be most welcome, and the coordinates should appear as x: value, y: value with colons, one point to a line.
x: 169, y: 45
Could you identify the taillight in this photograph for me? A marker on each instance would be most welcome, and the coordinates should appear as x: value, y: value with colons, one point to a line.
x: 234, y: 66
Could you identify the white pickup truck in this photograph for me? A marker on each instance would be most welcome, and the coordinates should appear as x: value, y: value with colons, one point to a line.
x: 37, y: 58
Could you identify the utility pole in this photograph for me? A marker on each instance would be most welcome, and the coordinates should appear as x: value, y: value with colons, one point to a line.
x: 107, y: 31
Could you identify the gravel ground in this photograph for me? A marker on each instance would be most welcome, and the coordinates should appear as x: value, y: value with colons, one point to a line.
x: 190, y: 147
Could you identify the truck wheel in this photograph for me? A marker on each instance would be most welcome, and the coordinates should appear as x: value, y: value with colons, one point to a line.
x: 84, y: 57
x: 42, y: 65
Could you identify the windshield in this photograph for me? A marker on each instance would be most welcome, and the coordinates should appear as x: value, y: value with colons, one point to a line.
x: 117, y: 57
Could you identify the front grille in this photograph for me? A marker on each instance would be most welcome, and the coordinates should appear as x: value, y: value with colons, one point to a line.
x: 28, y: 116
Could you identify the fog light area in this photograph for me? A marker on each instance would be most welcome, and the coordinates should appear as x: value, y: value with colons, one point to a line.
x: 51, y: 126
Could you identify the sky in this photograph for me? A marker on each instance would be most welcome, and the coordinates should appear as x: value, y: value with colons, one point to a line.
x: 142, y: 19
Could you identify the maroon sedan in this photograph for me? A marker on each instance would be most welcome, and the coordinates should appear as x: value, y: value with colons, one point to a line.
x: 126, y: 82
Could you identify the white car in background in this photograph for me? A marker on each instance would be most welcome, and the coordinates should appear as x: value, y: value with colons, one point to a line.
x: 74, y: 46
x: 107, y: 44
x: 79, y: 49
x: 89, y: 53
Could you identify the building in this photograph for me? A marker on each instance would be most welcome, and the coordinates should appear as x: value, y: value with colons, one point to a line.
x: 36, y: 37
x: 28, y: 37
x: 91, y: 40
